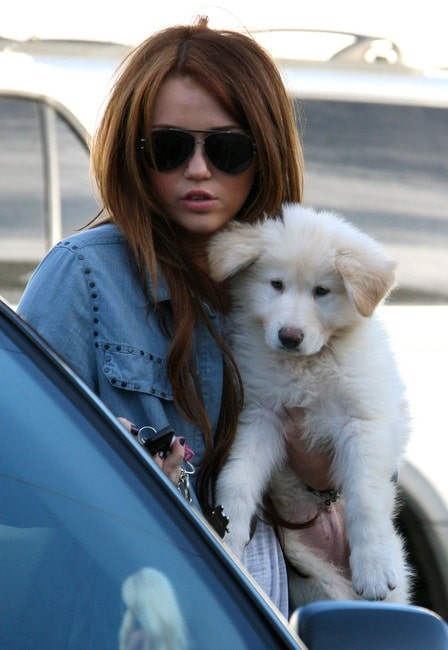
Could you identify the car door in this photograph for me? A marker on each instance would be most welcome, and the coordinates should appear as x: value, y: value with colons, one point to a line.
x: 96, y: 544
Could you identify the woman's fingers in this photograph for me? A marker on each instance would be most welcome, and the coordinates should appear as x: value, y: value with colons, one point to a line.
x: 169, y: 462
x: 126, y: 423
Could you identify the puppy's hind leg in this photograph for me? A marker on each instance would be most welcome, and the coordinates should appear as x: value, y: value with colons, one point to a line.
x: 311, y: 577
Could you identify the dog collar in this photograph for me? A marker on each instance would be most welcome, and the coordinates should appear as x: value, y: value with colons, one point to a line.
x: 327, y: 496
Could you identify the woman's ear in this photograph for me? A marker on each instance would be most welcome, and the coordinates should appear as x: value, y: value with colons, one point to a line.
x: 368, y: 277
x: 233, y: 249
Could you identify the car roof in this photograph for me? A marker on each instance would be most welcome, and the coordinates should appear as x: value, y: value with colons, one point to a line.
x: 55, y: 69
x: 379, y: 84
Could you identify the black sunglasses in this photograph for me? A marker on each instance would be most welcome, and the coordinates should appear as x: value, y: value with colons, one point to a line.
x: 228, y: 151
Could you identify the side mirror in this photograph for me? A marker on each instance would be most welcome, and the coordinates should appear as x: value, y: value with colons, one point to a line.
x: 364, y: 625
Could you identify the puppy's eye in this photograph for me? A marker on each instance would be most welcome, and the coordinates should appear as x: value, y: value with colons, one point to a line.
x: 321, y: 291
x: 277, y: 285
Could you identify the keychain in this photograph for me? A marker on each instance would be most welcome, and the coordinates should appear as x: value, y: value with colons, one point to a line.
x: 159, y: 442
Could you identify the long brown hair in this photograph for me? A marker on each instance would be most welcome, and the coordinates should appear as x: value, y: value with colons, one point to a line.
x: 243, y: 78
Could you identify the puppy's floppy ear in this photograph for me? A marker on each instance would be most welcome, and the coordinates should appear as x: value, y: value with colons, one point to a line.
x: 368, y: 277
x: 233, y: 249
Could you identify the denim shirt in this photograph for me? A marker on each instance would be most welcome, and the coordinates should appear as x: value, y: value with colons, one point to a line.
x: 85, y: 298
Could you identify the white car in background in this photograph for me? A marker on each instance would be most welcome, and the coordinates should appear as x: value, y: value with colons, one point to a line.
x: 51, y: 94
x: 376, y: 139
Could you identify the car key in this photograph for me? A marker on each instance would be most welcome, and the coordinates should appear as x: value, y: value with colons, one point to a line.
x: 156, y: 442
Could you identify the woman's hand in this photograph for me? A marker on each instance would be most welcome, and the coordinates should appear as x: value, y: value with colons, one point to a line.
x: 312, y: 467
x: 169, y: 463
x: 328, y: 534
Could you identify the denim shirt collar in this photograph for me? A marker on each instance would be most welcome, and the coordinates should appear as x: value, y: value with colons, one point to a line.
x: 163, y: 294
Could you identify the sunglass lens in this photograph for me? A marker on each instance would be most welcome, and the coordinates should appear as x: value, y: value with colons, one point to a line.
x: 169, y: 149
x: 230, y: 152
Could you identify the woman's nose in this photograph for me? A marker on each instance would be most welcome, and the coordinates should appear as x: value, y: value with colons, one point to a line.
x: 198, y: 164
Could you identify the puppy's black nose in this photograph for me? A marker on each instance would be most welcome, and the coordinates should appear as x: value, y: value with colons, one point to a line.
x: 290, y: 337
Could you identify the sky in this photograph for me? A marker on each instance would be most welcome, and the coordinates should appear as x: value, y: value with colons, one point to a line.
x: 420, y: 30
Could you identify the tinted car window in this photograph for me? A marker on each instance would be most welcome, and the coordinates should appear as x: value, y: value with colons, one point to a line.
x: 78, y: 202
x: 24, y: 155
x: 80, y: 512
x: 385, y: 168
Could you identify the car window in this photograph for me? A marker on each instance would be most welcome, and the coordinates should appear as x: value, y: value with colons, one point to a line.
x: 385, y: 168
x: 34, y: 136
x: 88, y: 537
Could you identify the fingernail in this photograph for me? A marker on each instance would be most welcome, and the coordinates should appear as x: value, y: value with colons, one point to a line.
x: 134, y: 429
x: 182, y: 441
x: 189, y: 454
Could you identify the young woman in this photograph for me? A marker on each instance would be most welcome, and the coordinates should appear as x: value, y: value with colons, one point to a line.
x: 198, y: 131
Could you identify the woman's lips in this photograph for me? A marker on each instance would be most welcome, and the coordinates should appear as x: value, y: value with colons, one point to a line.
x: 198, y: 201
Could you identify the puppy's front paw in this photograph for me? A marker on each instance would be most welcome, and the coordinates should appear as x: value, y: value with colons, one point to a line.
x: 373, y: 571
x: 237, y: 539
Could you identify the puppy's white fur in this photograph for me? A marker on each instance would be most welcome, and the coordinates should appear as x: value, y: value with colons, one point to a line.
x: 304, y: 290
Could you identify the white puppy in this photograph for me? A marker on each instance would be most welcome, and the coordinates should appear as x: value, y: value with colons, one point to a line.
x: 304, y: 290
